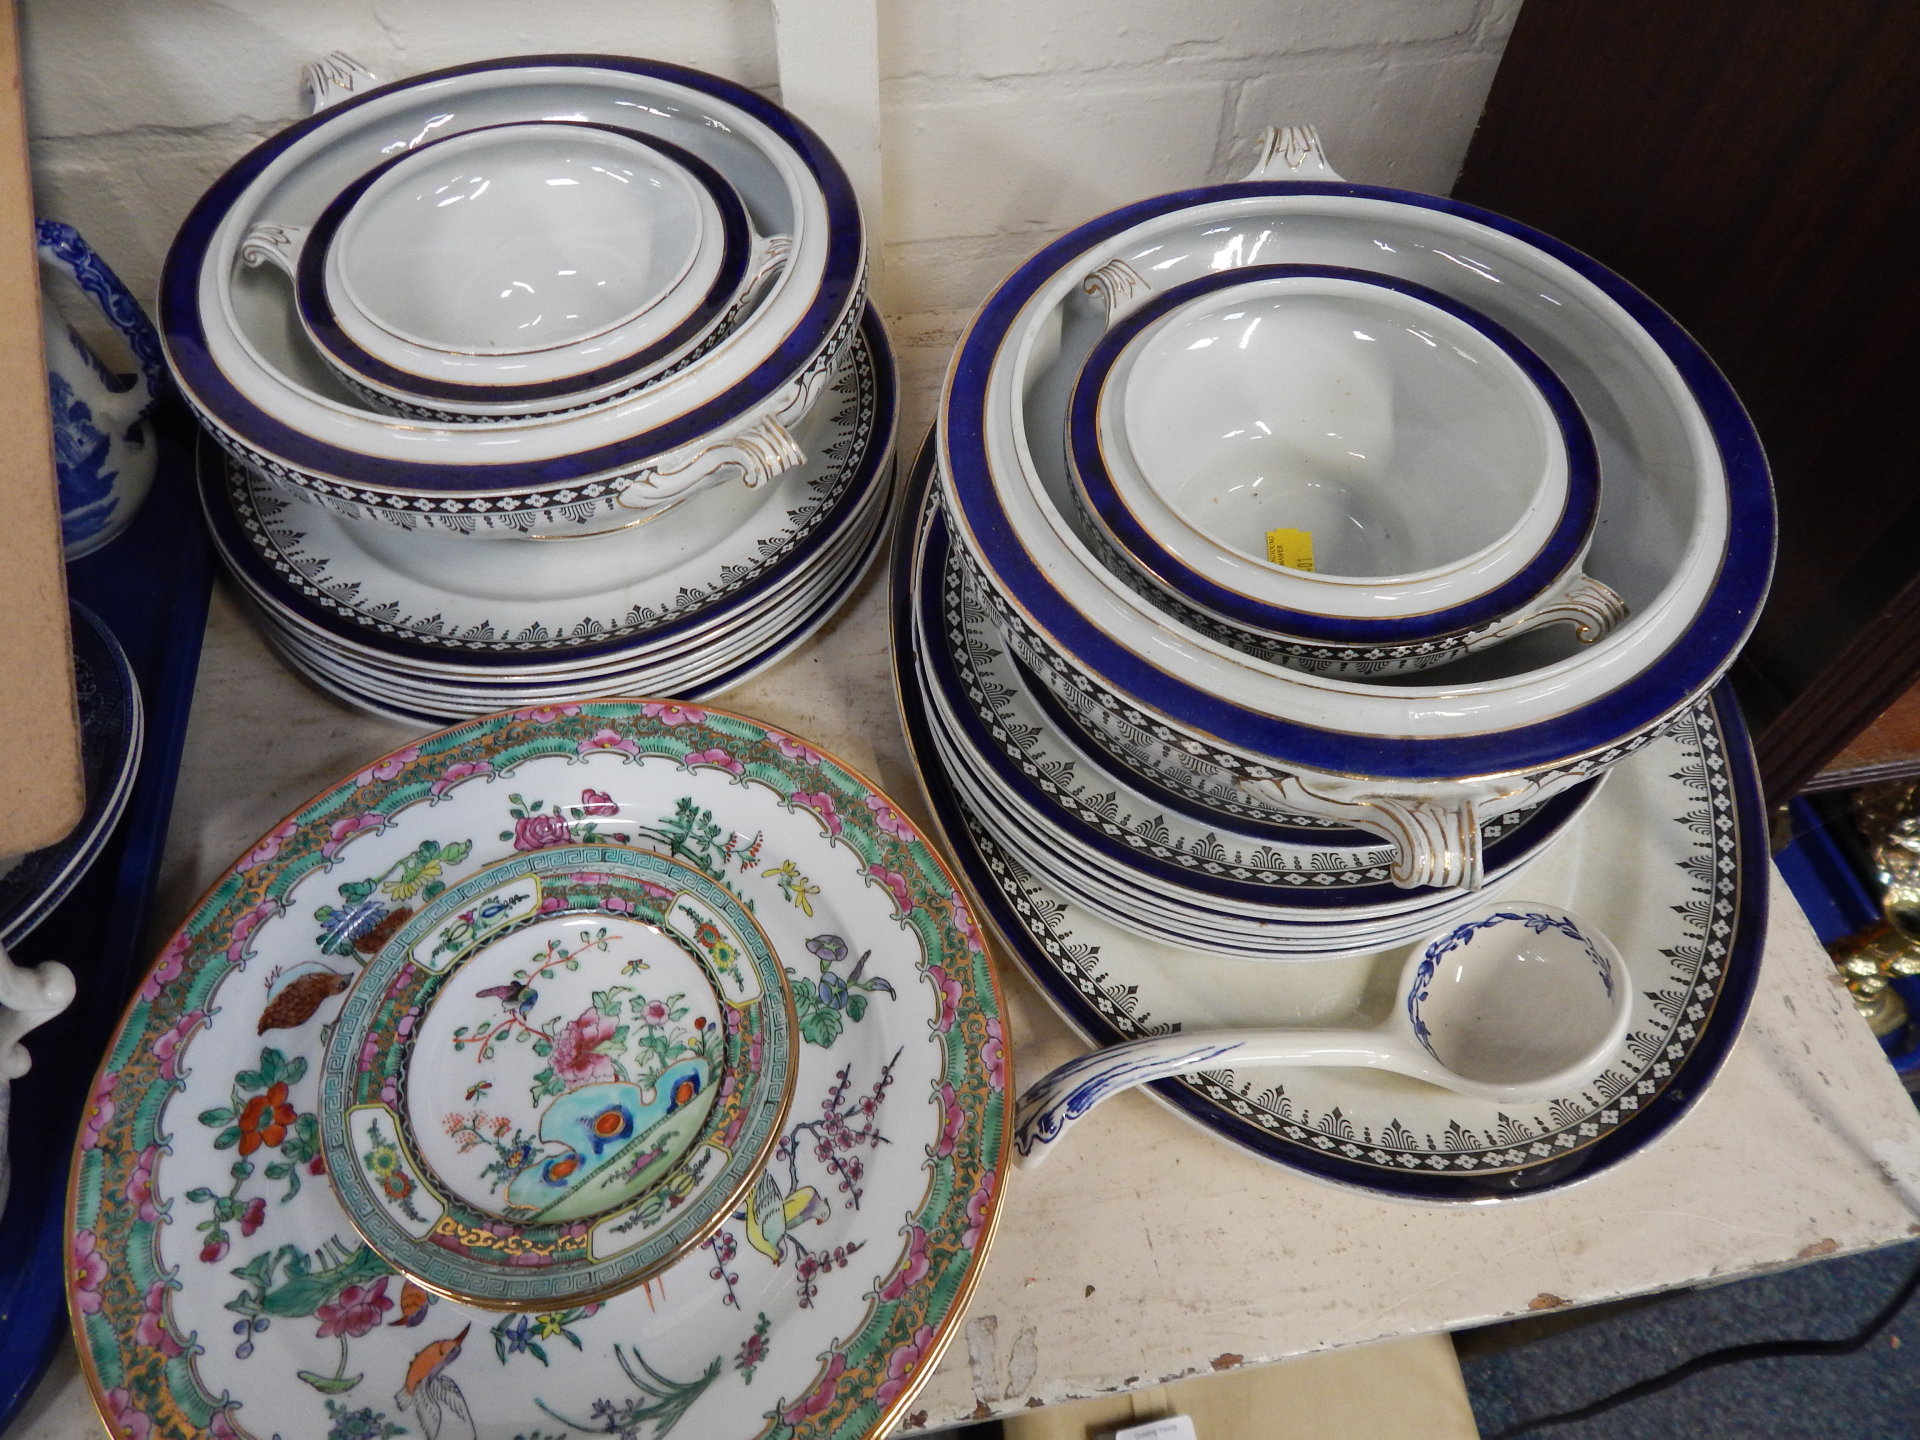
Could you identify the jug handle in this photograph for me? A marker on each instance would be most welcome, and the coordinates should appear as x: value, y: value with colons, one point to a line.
x: 61, y: 246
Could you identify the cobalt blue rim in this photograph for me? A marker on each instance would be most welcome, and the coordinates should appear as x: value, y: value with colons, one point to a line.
x: 209, y: 388
x: 1683, y: 673
x: 209, y: 471
x: 317, y: 313
x: 929, y: 582
x: 1655, y: 1114
x: 1567, y: 542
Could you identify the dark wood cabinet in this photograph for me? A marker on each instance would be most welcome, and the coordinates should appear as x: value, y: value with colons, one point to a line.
x: 1756, y: 170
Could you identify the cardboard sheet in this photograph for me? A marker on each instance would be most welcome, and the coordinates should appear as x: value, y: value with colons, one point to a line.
x: 41, y: 790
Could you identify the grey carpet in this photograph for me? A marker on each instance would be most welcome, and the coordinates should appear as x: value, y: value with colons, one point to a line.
x: 1517, y: 1372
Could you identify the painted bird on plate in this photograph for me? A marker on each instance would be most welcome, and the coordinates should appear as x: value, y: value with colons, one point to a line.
x: 295, y: 995
x: 771, y: 1217
x: 432, y: 1394
x: 515, y: 997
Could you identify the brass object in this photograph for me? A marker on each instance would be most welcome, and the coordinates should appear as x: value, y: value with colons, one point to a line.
x: 1889, y: 818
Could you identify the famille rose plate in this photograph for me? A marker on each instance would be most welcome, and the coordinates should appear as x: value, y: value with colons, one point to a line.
x: 1669, y: 859
x: 576, y: 1188
x: 217, y: 1279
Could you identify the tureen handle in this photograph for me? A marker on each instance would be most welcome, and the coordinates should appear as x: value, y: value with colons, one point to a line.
x: 333, y: 78
x: 1291, y: 152
x: 1593, y: 607
x: 268, y: 243
x: 753, y: 457
x: 28, y: 998
x: 1436, y: 832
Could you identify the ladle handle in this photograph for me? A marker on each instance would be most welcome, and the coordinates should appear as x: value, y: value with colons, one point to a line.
x: 1051, y: 1104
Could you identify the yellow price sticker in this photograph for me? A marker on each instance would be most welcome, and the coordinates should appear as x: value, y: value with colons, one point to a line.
x: 1291, y: 548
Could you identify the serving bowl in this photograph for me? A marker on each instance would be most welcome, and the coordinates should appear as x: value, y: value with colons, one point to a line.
x: 1685, y: 533
x: 234, y: 343
x: 1322, y: 460
x: 417, y: 285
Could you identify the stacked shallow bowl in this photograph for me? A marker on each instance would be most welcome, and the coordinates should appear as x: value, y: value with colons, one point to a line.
x: 503, y: 408
x: 1135, y: 680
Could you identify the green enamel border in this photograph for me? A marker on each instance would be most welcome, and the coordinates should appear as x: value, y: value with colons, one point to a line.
x: 493, y: 1284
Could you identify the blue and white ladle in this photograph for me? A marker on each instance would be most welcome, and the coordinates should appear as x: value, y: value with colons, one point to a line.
x: 1517, y: 1001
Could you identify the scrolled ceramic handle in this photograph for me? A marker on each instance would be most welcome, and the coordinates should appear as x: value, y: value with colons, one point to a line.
x: 753, y: 457
x: 1436, y: 837
x: 1591, y: 606
x: 270, y: 243
x: 28, y: 998
x: 333, y: 78
x: 1291, y: 152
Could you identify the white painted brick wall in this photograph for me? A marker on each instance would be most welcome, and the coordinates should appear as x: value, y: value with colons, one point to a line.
x: 1004, y: 121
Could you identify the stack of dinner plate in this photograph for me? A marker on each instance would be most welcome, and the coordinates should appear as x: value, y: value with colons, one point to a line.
x: 504, y: 408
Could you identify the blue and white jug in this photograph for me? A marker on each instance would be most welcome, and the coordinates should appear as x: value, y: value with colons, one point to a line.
x: 104, y: 449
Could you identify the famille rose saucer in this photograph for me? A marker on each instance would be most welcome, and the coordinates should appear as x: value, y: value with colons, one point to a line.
x: 1669, y: 859
x: 216, y: 1277
x: 557, y: 1192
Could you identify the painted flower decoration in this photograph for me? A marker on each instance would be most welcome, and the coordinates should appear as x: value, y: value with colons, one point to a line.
x: 152, y: 1330
x: 897, y: 883
x: 239, y: 949
x: 254, y: 1216
x: 980, y: 1210
x: 458, y: 771
x: 904, y: 1366
x: 575, y: 1056
x: 953, y: 1120
x: 355, y: 1310
x: 597, y: 802
x: 88, y: 1273
x: 669, y: 712
x: 124, y: 1422
x: 913, y: 1266
x: 822, y: 805
x: 951, y: 993
x: 657, y: 1012
x: 139, y: 1190
x: 166, y: 969
x: 386, y: 769
x: 269, y: 847
x: 821, y: 1396
x: 344, y: 829
x: 964, y: 922
x: 540, y: 830
x: 606, y: 739
x: 167, y: 1047
x: 890, y: 819
x: 99, y: 1111
x: 266, y: 1119
x: 796, y: 749
x: 993, y: 1055
x: 546, y: 714
x: 716, y: 757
